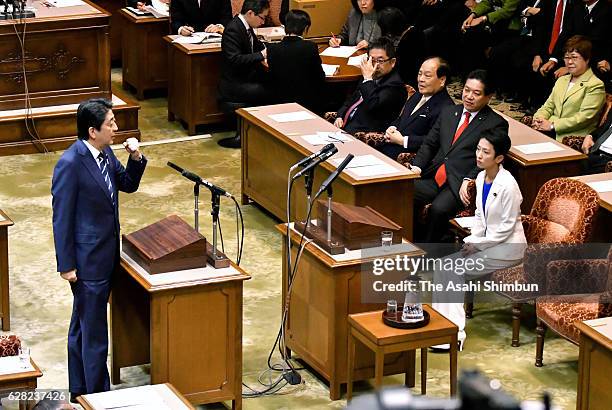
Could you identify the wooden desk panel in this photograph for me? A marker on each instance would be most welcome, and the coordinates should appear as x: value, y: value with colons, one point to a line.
x: 145, y: 57
x: 194, y: 71
x: 594, y: 364
x: 115, y: 27
x: 603, y: 222
x: 533, y: 170
x: 5, y: 304
x: 270, y: 148
x: 67, y: 57
x: 181, y: 329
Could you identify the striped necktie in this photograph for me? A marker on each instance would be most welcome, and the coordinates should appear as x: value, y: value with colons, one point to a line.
x: 103, y: 164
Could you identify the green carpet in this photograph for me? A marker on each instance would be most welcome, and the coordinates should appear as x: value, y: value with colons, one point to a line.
x: 41, y: 301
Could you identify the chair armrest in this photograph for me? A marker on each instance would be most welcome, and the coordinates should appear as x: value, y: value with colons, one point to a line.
x: 405, y: 158
x: 527, y: 120
x: 573, y: 141
x: 373, y: 139
x: 330, y: 116
x: 9, y: 345
x: 565, y: 277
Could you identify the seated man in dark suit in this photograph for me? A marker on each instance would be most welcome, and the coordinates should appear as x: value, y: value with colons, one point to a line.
x: 598, y: 147
x: 421, y: 111
x: 210, y: 16
x: 379, y: 97
x: 296, y: 74
x: 447, y: 158
x: 242, y: 70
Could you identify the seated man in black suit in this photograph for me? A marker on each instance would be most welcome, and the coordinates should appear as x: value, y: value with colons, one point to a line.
x: 242, y: 69
x: 379, y: 97
x: 447, y: 158
x: 210, y: 16
x: 296, y: 74
x: 598, y: 147
x: 421, y: 111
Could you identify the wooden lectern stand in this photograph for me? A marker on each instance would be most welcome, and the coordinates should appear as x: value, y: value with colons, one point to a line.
x: 187, y: 324
x: 326, y: 290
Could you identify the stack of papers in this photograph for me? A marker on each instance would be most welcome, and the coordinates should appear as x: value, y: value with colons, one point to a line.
x: 356, y: 61
x: 366, y: 166
x: 65, y: 3
x: 158, y: 9
x: 539, y: 148
x: 467, y: 222
x: 330, y: 69
x: 12, y: 365
x: 135, y: 398
x: 342, y: 51
x: 199, y: 38
x: 601, y: 186
x: 292, y: 116
x: 325, y: 137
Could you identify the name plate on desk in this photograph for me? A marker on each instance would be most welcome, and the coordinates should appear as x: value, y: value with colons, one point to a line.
x: 167, y: 245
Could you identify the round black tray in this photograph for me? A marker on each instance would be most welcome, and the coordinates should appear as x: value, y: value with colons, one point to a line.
x: 396, y: 321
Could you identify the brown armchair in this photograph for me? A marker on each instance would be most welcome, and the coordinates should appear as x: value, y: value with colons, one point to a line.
x: 562, y: 213
x: 591, y: 279
x: 9, y: 345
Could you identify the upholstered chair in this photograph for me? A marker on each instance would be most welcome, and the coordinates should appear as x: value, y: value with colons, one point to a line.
x: 576, y: 290
x: 562, y: 214
x: 9, y: 345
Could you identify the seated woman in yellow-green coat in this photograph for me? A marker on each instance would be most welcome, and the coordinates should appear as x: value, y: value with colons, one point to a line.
x: 574, y: 105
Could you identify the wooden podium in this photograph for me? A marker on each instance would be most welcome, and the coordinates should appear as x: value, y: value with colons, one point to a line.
x: 187, y: 324
x: 326, y: 290
x: 5, y: 305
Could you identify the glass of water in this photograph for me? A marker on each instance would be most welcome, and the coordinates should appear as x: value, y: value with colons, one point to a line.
x: 24, y: 357
x: 391, y: 307
x: 386, y: 238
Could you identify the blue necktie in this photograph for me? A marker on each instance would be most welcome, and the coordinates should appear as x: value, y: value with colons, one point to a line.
x: 104, y: 169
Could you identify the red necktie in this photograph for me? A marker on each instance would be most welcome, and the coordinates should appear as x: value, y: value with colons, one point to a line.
x: 556, y: 27
x: 350, y: 110
x: 440, y: 176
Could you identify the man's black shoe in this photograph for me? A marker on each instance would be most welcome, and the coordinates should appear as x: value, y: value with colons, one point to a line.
x: 230, y: 142
x: 73, y: 398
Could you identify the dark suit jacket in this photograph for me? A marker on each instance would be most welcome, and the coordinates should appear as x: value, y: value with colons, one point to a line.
x: 597, y: 26
x: 542, y: 24
x: 417, y: 125
x: 460, y: 158
x: 382, y: 101
x: 85, y: 220
x: 188, y: 13
x: 240, y: 65
x: 598, y: 133
x: 295, y: 71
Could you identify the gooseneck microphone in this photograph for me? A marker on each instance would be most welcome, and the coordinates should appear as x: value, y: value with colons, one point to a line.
x: 334, y: 174
x: 321, y: 158
x: 308, y: 159
x: 196, y: 178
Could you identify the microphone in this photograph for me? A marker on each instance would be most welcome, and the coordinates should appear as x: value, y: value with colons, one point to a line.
x: 334, y: 175
x: 305, y: 161
x: 322, y: 157
x: 195, y: 178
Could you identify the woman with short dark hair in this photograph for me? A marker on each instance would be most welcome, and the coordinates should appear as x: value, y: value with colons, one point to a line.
x: 361, y: 26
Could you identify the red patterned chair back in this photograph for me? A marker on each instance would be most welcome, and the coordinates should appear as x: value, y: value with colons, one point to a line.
x: 9, y: 345
x: 565, y: 209
x: 605, y: 110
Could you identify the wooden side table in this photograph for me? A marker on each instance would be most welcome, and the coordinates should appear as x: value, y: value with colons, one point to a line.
x: 594, y: 363
x: 23, y: 381
x: 5, y: 305
x: 369, y: 329
x: 171, y: 397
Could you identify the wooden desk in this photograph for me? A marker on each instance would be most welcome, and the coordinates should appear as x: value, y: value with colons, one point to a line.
x: 145, y: 58
x: 5, y: 304
x: 603, y: 223
x: 369, y: 329
x: 189, y: 327
x: 193, y: 76
x: 269, y: 148
x: 533, y: 170
x: 67, y: 57
x: 164, y: 395
x: 345, y: 73
x: 325, y: 291
x: 24, y: 381
x: 594, y: 364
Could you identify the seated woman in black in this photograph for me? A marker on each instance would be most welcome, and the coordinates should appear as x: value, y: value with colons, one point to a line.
x: 296, y: 74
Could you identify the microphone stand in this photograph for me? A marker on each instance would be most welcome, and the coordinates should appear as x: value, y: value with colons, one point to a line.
x: 196, y: 206
x: 215, y: 200
x: 308, y: 181
x: 330, y: 193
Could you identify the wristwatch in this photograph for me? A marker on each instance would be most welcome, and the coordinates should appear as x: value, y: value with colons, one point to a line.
x: 552, y: 126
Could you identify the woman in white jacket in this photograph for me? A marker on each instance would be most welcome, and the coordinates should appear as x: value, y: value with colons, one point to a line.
x: 497, y: 238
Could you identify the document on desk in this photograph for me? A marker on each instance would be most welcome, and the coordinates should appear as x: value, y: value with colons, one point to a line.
x: 601, y: 325
x: 135, y: 398
x: 12, y: 365
x: 325, y: 137
x: 342, y: 51
x: 373, y: 170
x: 65, y: 3
x: 538, y: 148
x: 330, y: 69
x: 601, y: 186
x: 158, y: 9
x: 466, y: 222
x: 356, y: 60
x: 292, y: 116
x: 359, y: 161
x: 2, y: 218
x: 199, y: 38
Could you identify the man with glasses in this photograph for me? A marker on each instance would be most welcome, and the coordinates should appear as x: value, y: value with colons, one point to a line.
x: 242, y: 75
x: 379, y: 97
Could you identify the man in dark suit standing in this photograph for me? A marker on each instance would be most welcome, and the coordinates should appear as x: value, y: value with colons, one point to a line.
x: 85, y: 187
x: 296, y: 74
x: 242, y: 70
x: 378, y: 99
x: 210, y: 16
x: 421, y: 111
x: 447, y: 158
x: 598, y: 147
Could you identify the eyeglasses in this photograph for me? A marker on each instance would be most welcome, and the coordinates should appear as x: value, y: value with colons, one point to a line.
x: 572, y: 58
x: 380, y: 60
x: 263, y: 18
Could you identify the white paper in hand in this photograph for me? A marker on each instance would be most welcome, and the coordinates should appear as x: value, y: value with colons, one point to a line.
x: 342, y: 51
